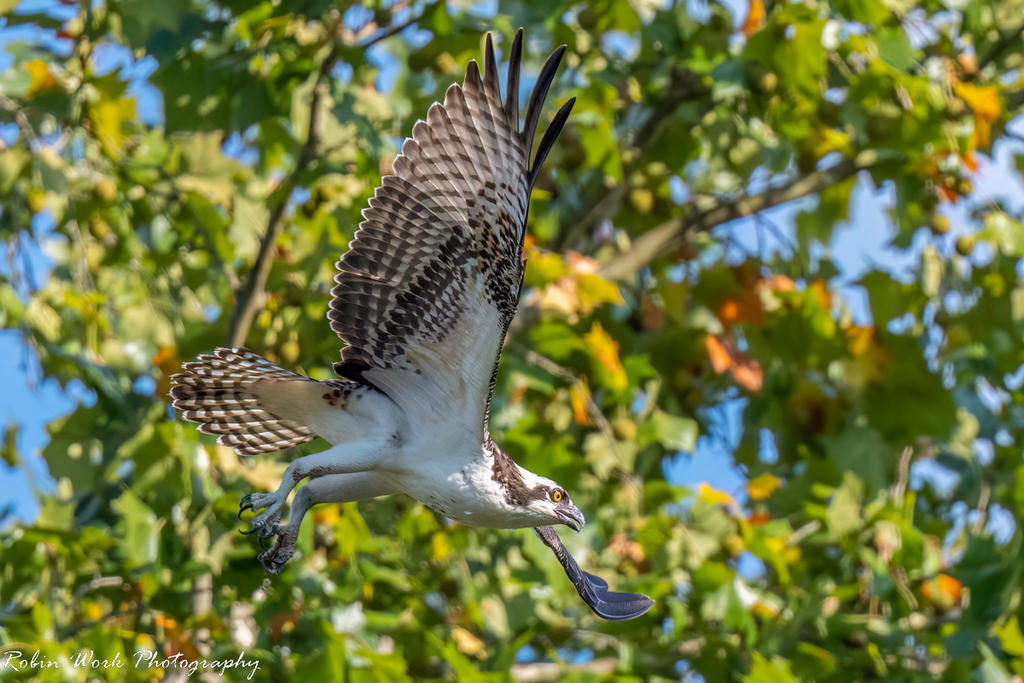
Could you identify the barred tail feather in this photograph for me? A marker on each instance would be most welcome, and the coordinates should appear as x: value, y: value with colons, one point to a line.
x: 219, y: 391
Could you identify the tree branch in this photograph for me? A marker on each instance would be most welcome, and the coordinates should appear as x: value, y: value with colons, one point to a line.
x: 703, y: 214
x: 250, y: 296
x: 1005, y: 42
x: 685, y: 86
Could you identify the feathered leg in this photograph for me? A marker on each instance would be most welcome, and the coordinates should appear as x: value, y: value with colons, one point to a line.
x: 345, y: 458
x: 331, y: 488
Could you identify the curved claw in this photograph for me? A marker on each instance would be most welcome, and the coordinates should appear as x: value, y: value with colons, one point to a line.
x: 245, y: 504
x: 250, y: 530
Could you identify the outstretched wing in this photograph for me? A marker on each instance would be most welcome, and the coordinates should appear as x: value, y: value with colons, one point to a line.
x: 431, y: 280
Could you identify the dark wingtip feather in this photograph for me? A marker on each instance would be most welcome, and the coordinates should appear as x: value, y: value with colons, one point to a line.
x: 540, y: 93
x: 472, y: 76
x: 515, y: 60
x: 548, y: 141
x: 490, y: 65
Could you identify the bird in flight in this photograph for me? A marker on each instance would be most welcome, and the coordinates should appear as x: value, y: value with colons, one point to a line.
x: 423, y: 299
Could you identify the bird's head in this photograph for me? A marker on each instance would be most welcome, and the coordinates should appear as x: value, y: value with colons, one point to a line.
x: 551, y: 502
x: 543, y: 501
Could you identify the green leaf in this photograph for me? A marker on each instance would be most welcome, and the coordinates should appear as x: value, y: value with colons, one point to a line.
x: 674, y: 432
x: 140, y: 527
x: 844, y: 511
x: 1005, y: 233
x: 9, y: 447
x: 894, y: 48
x: 776, y: 670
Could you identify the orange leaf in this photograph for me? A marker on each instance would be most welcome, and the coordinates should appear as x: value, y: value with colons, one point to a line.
x: 283, y: 622
x: 968, y: 62
x: 749, y: 375
x: 625, y: 548
x: 758, y: 518
x: 820, y: 291
x: 778, y: 283
x: 39, y: 77
x: 517, y: 395
x: 721, y: 360
x: 744, y: 309
x: 606, y: 351
x: 167, y: 362
x: 950, y: 586
x: 724, y: 356
x: 948, y: 194
x: 755, y: 18
x: 651, y: 315
x: 579, y: 393
x: 943, y: 591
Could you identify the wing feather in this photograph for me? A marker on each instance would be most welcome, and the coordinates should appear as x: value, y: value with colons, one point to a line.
x: 426, y: 291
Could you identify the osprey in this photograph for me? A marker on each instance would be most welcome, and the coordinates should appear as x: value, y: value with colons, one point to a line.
x: 422, y: 300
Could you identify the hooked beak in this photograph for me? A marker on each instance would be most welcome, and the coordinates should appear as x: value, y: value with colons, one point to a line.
x: 571, y: 517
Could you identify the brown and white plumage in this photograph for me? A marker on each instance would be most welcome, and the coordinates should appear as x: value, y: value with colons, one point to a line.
x: 216, y: 391
x: 422, y: 299
x: 438, y: 258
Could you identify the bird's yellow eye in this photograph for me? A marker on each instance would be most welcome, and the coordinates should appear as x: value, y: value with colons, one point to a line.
x: 557, y: 495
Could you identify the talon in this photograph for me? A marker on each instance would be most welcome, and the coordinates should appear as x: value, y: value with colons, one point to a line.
x: 254, y: 528
x: 245, y: 504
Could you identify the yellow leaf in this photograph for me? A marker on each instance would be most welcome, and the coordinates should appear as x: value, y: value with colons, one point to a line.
x: 440, y: 546
x: 326, y: 515
x: 39, y: 77
x: 982, y: 99
x: 820, y: 291
x: 108, y: 118
x: 984, y: 102
x: 761, y: 487
x: 861, y: 339
x: 606, y: 351
x: 831, y: 140
x: 594, y: 290
x: 467, y: 643
x: 579, y: 394
x: 547, y: 265
x: 714, y: 496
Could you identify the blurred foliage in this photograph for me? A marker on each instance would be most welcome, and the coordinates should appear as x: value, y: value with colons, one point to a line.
x: 180, y: 160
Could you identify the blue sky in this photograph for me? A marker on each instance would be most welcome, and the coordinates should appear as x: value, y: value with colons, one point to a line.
x: 858, y: 246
